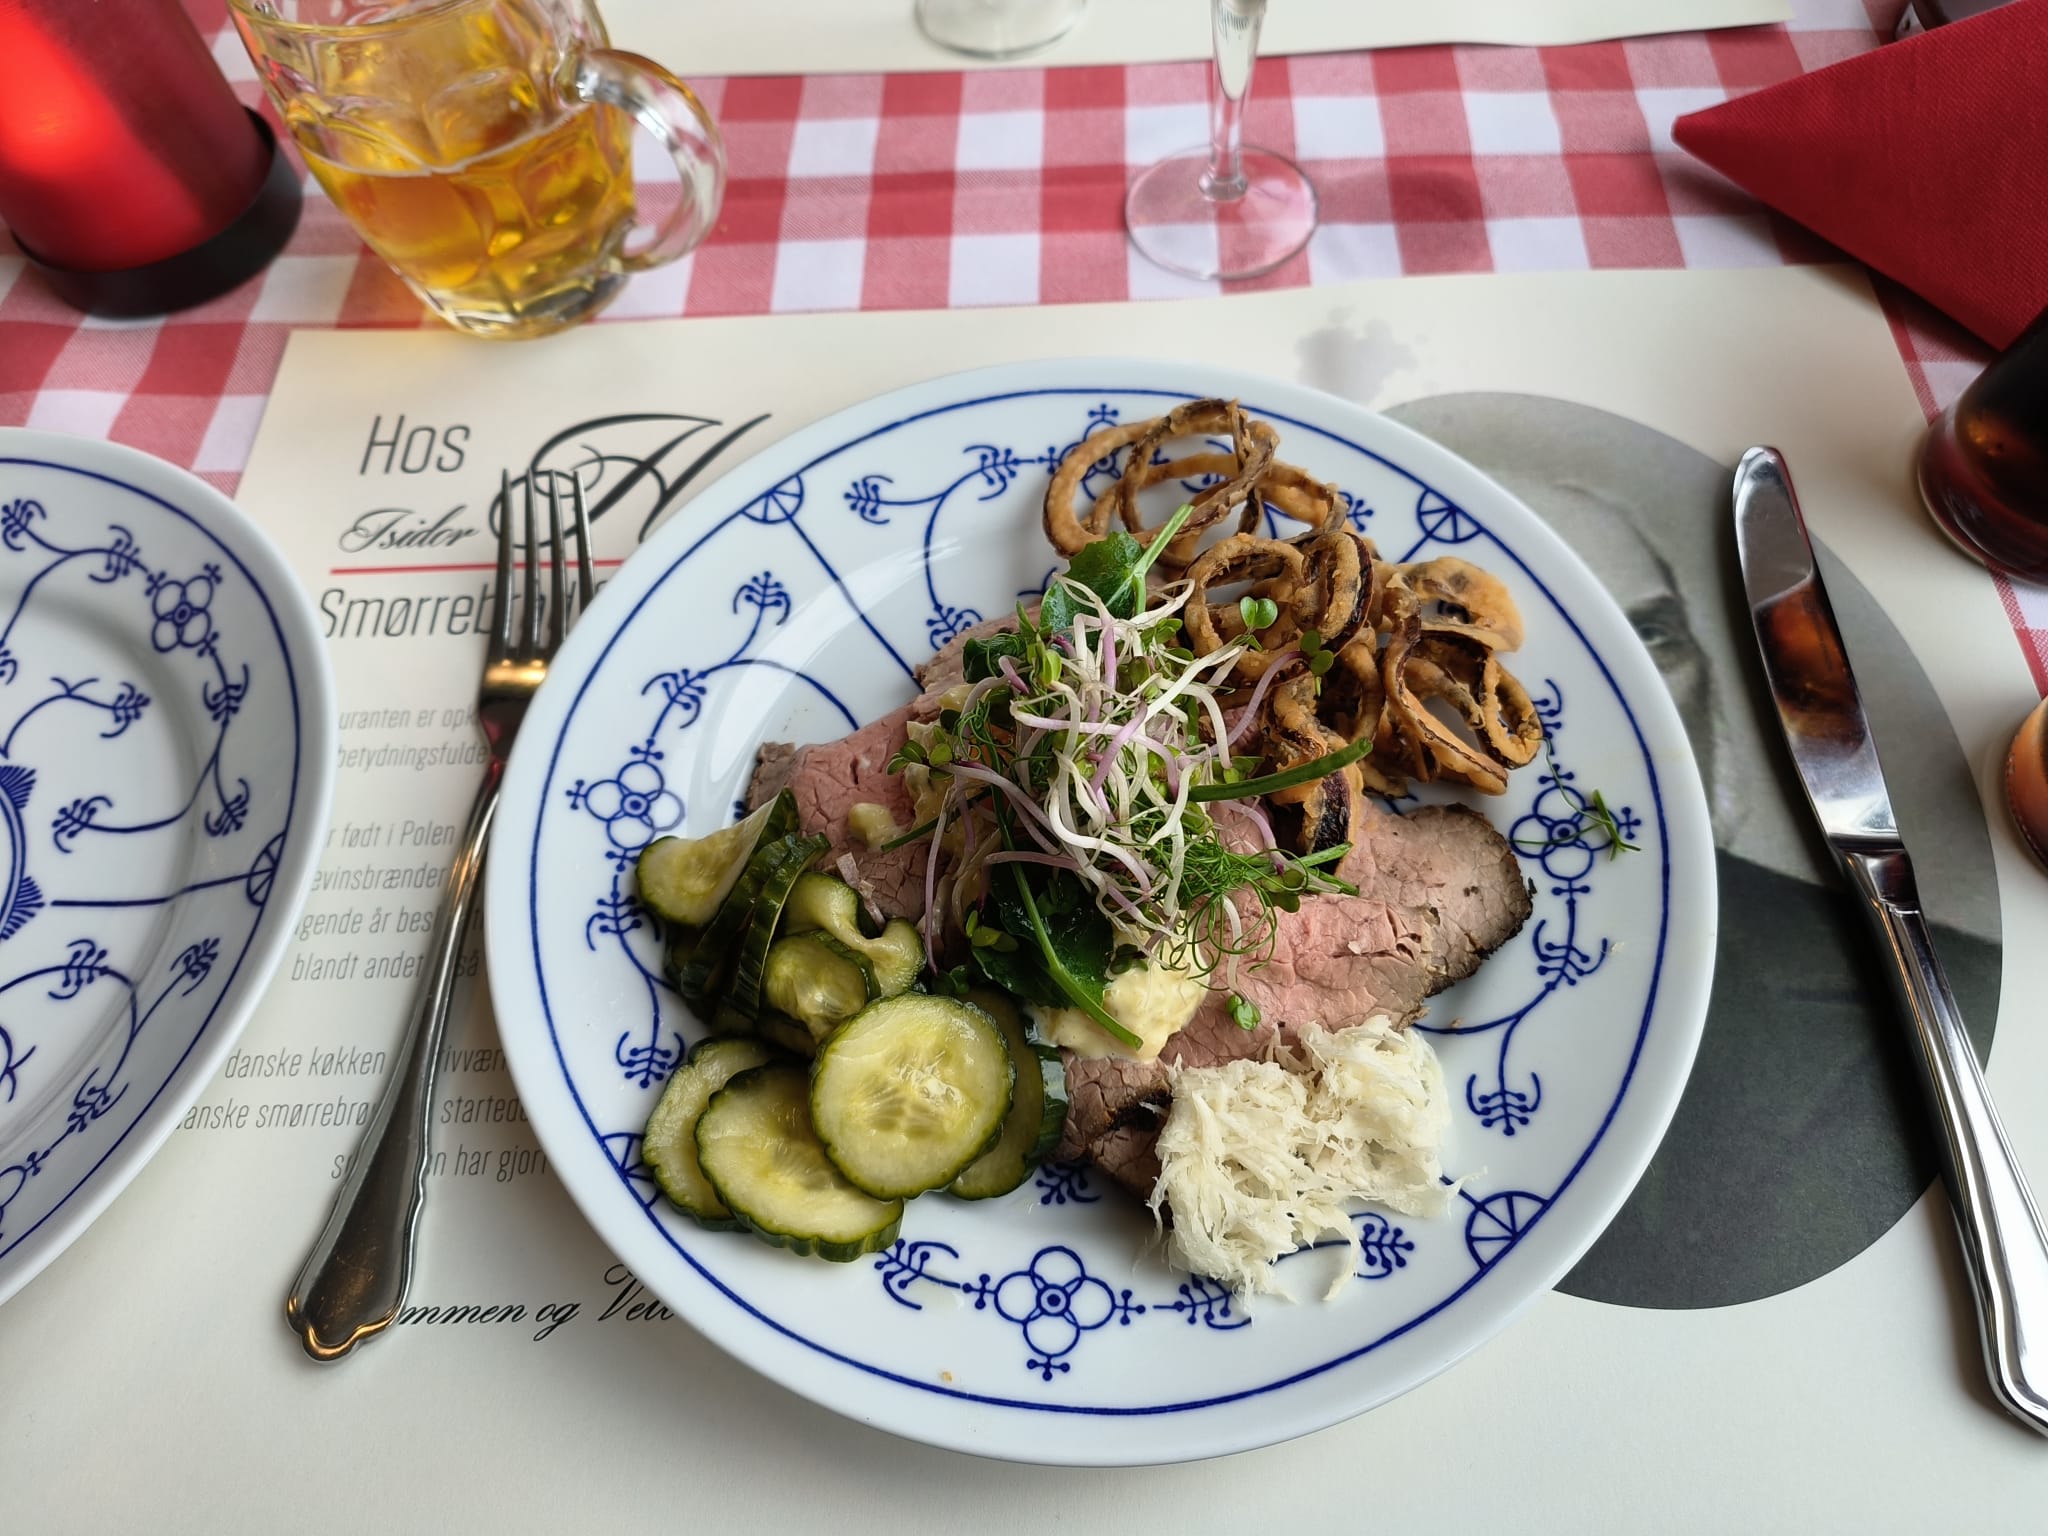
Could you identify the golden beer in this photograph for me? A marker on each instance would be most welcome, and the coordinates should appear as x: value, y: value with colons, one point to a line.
x: 480, y: 148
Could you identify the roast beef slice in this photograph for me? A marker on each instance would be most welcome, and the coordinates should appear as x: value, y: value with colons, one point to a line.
x: 1336, y: 962
x: 830, y: 778
x: 1439, y: 891
x: 1449, y: 860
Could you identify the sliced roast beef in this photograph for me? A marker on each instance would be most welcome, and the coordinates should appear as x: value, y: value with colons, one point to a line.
x: 1449, y: 860
x: 830, y: 778
x: 1130, y: 1153
x: 1108, y: 1096
x: 1439, y: 891
x: 772, y: 768
x: 1337, y: 961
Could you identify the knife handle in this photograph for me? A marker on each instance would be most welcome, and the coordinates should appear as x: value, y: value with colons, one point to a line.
x: 2003, y: 1246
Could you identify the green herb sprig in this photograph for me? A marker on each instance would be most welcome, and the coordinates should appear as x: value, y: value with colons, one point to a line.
x: 1589, y: 811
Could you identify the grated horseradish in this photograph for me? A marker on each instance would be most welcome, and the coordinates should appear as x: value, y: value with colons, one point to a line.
x: 1261, y: 1158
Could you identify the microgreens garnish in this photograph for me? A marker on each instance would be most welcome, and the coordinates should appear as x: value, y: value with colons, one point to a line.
x: 1258, y: 613
x: 1319, y: 660
x: 1083, y: 754
x: 1589, y: 812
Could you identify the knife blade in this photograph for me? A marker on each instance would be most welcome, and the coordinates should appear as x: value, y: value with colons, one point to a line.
x: 1807, y: 666
x: 1805, y: 662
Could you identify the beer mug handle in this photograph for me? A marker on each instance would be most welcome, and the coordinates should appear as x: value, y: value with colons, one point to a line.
x: 669, y: 110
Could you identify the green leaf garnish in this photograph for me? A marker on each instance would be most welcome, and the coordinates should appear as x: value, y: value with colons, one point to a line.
x: 1244, y: 1013
x: 1258, y: 613
x: 982, y: 659
x: 1113, y: 569
x: 1080, y: 970
x: 1315, y: 768
x: 1589, y: 811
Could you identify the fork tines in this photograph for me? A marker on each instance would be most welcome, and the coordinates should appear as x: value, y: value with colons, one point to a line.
x: 531, y: 646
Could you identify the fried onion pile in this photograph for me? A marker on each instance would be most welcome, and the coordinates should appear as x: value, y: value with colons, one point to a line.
x: 1415, y: 648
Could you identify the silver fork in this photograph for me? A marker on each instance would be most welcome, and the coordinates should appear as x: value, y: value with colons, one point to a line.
x: 355, y: 1278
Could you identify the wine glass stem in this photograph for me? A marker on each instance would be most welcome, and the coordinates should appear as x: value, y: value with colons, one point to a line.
x: 1237, y: 24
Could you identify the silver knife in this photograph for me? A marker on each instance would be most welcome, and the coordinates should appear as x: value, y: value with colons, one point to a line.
x: 2003, y: 1246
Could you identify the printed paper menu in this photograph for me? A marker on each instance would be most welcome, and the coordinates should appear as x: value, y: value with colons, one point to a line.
x: 534, y: 1383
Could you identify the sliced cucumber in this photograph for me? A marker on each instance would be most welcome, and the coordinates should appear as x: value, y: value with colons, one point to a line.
x: 709, y: 975
x: 758, y: 1151
x: 1038, y: 1107
x: 786, y: 1034
x: 684, y: 880
x: 897, y: 956
x: 751, y: 964
x: 909, y: 1092
x: 675, y: 959
x: 819, y: 901
x: 817, y: 981
x: 669, y: 1144
x: 832, y: 906
x: 728, y: 1022
x: 701, y: 962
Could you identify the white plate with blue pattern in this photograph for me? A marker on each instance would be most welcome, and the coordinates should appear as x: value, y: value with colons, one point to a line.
x: 166, y: 755
x: 789, y: 601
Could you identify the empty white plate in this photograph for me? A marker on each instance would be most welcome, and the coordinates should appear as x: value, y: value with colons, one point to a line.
x: 166, y: 755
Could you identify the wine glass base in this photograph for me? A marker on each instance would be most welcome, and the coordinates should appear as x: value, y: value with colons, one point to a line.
x: 997, y: 32
x: 1178, y: 226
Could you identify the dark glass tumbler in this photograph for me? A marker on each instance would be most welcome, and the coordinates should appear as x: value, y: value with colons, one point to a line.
x: 1984, y: 463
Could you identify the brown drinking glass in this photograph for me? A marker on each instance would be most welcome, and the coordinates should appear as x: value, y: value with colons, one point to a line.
x: 1984, y: 464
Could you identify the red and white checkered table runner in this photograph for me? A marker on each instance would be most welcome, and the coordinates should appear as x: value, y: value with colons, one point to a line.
x: 1006, y: 187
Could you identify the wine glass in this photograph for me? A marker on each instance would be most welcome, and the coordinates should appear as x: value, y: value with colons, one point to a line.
x: 1225, y: 210
x: 997, y: 29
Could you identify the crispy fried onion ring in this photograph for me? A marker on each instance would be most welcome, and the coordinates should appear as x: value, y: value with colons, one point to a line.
x: 1326, y: 582
x: 1467, y: 600
x: 1415, y: 666
x: 1414, y: 650
x: 1247, y: 479
x: 1296, y: 734
x: 1264, y: 567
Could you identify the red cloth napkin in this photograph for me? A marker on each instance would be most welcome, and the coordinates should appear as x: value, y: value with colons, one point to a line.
x: 1926, y: 158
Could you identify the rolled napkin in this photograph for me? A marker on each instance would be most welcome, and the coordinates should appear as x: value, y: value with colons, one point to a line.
x: 1927, y: 159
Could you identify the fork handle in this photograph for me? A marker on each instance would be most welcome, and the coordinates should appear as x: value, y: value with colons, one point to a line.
x: 2004, y: 1249
x: 355, y: 1278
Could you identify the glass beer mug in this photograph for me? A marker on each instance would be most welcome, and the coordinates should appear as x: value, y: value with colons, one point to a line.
x: 482, y: 147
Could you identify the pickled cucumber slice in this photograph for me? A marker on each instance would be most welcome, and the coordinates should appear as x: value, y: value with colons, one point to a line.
x: 817, y: 981
x: 712, y: 975
x: 832, y: 906
x: 757, y: 1148
x: 1038, y: 1107
x: 669, y: 1144
x: 909, y: 1092
x: 749, y: 968
x: 685, y: 880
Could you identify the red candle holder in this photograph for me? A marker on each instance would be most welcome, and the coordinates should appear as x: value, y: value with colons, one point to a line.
x: 130, y: 175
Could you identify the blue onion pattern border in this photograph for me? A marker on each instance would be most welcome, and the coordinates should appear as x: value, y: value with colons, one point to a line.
x: 180, y: 624
x: 1496, y: 1221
